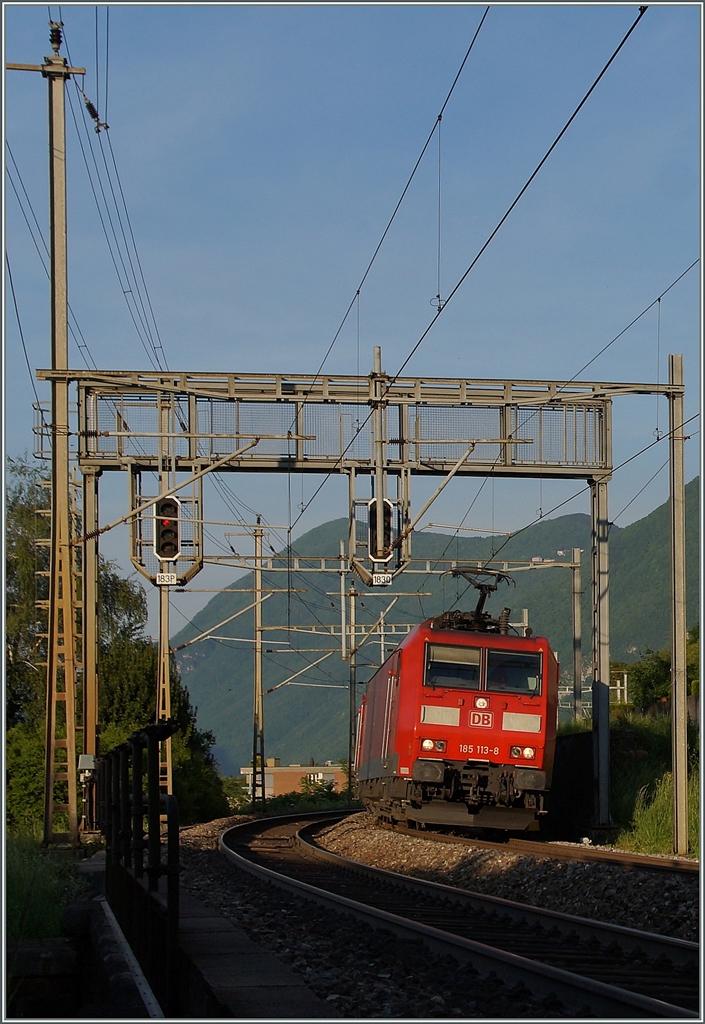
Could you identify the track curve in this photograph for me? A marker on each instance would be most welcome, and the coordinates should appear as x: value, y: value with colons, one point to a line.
x: 590, y: 967
x: 560, y: 851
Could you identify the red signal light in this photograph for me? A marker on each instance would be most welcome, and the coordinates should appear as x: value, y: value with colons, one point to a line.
x: 166, y: 529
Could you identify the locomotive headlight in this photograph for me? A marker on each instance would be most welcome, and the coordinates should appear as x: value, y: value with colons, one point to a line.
x: 427, y: 744
x: 441, y: 745
x: 515, y: 751
x: 481, y: 702
x: 528, y: 752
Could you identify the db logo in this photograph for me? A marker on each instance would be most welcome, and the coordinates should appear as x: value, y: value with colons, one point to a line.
x: 482, y: 718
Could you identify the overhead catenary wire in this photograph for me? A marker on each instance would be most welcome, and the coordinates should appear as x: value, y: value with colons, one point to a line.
x: 583, y: 490
x: 400, y: 200
x: 392, y: 380
x: 516, y: 200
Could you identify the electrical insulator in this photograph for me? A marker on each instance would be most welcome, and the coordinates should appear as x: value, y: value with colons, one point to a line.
x: 166, y: 529
x: 55, y: 36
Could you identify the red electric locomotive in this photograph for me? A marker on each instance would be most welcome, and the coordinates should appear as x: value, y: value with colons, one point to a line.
x: 458, y: 725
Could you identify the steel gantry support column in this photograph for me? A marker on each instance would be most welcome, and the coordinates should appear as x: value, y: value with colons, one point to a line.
x: 679, y: 682
x: 166, y: 481
x: 90, y: 611
x: 600, y: 652
x: 352, y: 667
x: 259, y: 791
x: 577, y: 637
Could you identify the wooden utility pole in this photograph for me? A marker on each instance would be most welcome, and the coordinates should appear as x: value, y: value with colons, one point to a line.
x: 62, y: 654
x: 679, y: 681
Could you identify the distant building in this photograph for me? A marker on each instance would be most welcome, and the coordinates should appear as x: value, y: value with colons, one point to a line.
x: 279, y: 779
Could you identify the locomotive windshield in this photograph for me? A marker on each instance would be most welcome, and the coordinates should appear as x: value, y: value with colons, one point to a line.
x: 513, y: 672
x: 457, y: 667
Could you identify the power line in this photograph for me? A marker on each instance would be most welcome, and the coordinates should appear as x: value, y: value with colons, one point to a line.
x: 24, y: 347
x: 129, y: 282
x: 75, y: 330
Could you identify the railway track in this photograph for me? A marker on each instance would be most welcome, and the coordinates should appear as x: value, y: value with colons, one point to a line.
x: 560, y: 851
x: 590, y: 967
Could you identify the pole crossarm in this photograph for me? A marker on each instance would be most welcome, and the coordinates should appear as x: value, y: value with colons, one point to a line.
x: 350, y: 387
x: 61, y: 69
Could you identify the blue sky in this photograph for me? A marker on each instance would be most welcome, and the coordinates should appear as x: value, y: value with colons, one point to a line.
x: 262, y: 148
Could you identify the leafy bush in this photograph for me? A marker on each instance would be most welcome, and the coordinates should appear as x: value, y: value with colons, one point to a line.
x: 24, y: 789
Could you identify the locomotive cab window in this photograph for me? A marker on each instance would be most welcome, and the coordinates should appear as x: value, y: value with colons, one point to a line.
x: 455, y: 667
x: 512, y: 672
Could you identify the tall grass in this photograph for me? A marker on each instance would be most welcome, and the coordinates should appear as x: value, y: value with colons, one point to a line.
x: 641, y: 793
x: 651, y: 828
x: 38, y: 885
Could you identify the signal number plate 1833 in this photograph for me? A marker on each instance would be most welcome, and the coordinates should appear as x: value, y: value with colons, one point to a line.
x: 471, y: 748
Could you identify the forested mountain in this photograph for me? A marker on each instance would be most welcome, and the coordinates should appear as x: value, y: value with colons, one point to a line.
x: 303, y: 722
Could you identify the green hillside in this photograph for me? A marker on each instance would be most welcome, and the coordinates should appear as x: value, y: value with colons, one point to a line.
x: 304, y: 722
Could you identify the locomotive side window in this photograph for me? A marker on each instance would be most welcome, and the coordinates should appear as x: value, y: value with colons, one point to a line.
x: 457, y: 667
x: 513, y: 672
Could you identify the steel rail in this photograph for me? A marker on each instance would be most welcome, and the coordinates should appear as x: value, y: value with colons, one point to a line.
x: 561, y: 851
x: 576, y: 991
x: 680, y: 951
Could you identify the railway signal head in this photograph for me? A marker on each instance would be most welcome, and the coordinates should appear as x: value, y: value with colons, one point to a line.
x: 379, y: 552
x: 166, y: 529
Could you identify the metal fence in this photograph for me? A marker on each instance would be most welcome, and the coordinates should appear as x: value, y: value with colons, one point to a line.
x: 143, y: 896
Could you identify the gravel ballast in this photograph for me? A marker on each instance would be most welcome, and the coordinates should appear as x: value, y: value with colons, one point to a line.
x: 648, y: 900
x: 368, y: 974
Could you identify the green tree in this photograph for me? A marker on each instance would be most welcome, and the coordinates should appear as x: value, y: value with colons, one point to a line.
x: 650, y: 678
x: 317, y: 787
x: 235, y: 789
x: 692, y: 656
x: 127, y: 668
x: 26, y: 563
